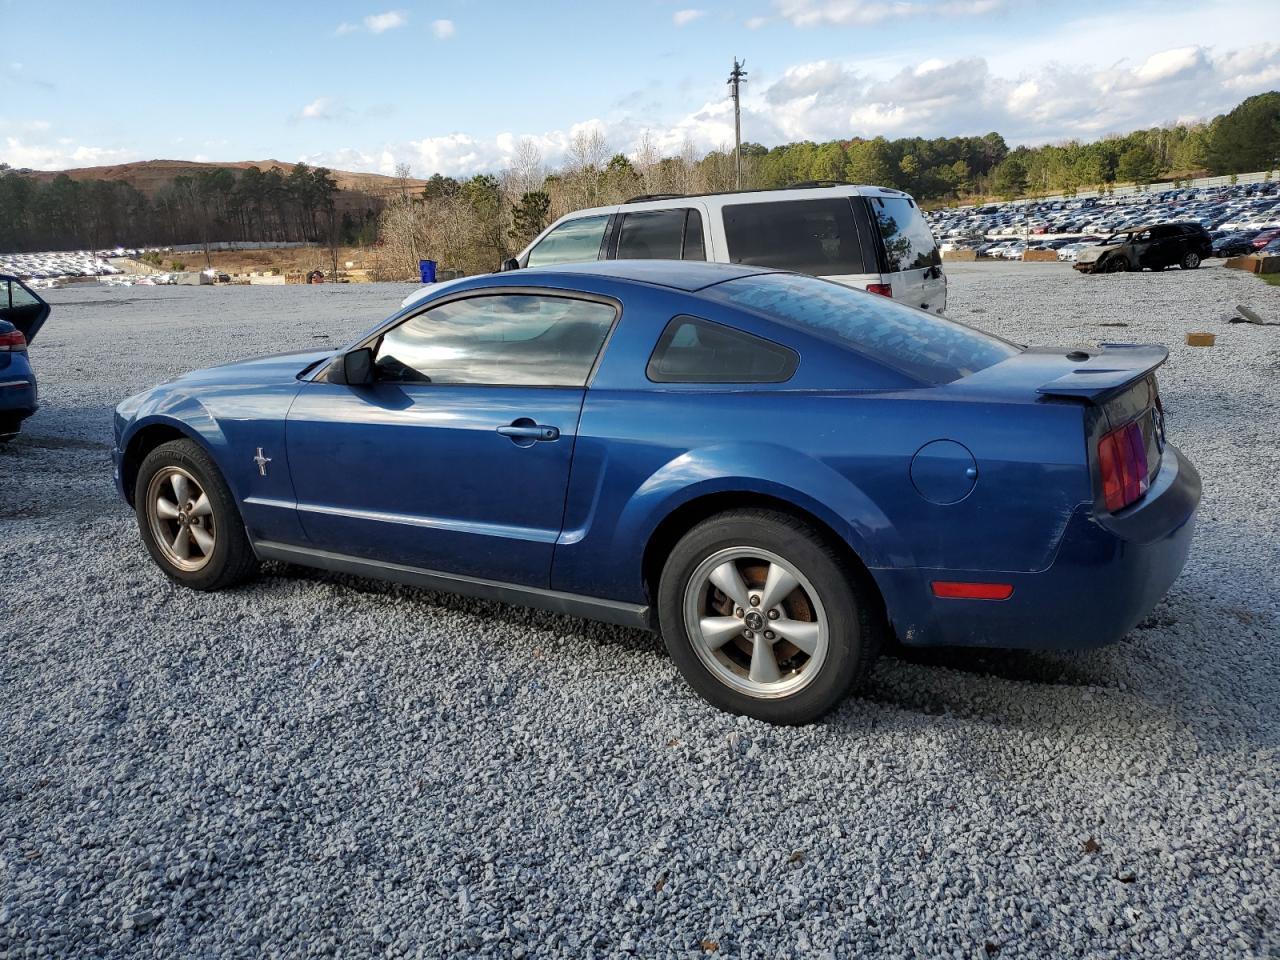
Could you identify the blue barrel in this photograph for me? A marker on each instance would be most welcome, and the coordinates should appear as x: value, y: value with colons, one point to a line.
x: 427, y: 270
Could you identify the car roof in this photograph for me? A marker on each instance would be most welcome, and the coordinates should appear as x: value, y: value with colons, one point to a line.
x: 714, y: 200
x: 686, y: 275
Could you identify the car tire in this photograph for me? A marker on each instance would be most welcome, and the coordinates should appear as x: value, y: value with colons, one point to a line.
x: 195, y: 535
x: 1190, y: 260
x: 831, y: 613
x: 1116, y: 265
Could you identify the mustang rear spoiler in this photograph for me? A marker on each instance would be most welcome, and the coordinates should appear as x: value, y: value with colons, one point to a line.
x: 1101, y: 372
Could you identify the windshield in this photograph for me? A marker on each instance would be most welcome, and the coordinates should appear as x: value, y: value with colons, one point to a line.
x: 1116, y: 238
x: 922, y: 345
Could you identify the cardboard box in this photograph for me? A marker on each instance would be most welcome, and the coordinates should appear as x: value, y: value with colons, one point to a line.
x: 1250, y: 264
x: 962, y: 255
x: 1200, y: 339
x: 1040, y: 256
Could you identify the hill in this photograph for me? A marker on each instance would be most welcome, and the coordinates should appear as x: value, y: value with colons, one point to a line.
x: 149, y: 177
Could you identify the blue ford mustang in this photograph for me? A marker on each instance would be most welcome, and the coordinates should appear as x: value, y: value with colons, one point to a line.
x: 773, y: 470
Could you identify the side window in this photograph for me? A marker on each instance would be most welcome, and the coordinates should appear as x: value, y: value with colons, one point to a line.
x: 16, y: 295
x: 651, y: 235
x: 693, y: 246
x: 908, y: 242
x: 503, y: 339
x: 572, y: 241
x: 698, y: 351
x: 817, y: 237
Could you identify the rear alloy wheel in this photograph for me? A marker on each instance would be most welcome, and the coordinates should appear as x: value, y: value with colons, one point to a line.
x: 188, y: 518
x: 1117, y: 265
x: 764, y: 618
x: 1190, y: 261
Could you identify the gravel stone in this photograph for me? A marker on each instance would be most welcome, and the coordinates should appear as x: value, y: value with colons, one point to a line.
x: 327, y: 766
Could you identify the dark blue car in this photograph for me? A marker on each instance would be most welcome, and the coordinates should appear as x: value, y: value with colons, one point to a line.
x: 775, y: 471
x: 22, y: 314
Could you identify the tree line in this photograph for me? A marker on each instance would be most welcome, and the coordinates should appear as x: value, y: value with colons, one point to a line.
x: 472, y: 224
x: 247, y: 204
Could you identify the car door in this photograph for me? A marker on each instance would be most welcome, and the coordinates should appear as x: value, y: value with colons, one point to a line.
x: 1139, y: 248
x: 1167, y: 243
x: 673, y: 233
x: 575, y: 240
x: 21, y: 307
x: 456, y: 457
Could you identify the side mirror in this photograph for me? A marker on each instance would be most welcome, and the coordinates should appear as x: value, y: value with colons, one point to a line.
x: 355, y: 368
x: 511, y: 263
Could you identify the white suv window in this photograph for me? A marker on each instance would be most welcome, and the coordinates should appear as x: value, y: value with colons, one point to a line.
x: 572, y: 241
x: 808, y: 236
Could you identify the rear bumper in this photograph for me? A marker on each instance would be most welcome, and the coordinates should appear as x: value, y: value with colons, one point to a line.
x: 1109, y: 572
x: 18, y: 393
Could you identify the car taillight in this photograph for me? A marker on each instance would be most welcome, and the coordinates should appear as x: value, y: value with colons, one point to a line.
x: 13, y: 340
x: 1122, y: 459
x: 884, y: 289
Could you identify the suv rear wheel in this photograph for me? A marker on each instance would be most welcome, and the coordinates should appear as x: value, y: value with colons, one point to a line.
x: 764, y: 618
x: 1190, y: 260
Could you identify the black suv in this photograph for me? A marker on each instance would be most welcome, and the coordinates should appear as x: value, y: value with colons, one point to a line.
x: 1155, y: 246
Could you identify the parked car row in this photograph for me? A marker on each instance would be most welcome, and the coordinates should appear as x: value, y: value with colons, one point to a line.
x: 48, y: 266
x: 1251, y: 207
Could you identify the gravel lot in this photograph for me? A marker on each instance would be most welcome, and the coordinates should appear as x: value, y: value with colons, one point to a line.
x: 321, y: 765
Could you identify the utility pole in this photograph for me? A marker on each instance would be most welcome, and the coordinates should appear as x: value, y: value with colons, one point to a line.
x: 737, y: 76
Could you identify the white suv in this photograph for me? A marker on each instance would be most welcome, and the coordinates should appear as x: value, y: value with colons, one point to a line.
x: 872, y: 238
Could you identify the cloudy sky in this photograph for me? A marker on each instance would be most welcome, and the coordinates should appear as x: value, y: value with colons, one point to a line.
x: 454, y: 85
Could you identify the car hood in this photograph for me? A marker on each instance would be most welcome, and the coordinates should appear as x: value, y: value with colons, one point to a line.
x: 257, y: 371
x: 1092, y: 252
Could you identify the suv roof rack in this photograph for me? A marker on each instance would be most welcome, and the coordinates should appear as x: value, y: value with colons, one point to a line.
x: 802, y: 185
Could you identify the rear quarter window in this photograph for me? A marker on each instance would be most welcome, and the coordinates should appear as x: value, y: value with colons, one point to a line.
x: 692, y: 350
x: 817, y: 237
x: 924, y: 346
x: 908, y: 241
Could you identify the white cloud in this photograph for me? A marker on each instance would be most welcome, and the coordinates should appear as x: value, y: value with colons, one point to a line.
x: 374, y: 23
x: 811, y: 13
x: 62, y: 154
x: 382, y: 22
x: 755, y: 23
x: 828, y: 99
x: 321, y: 108
x: 683, y: 18
x: 443, y: 29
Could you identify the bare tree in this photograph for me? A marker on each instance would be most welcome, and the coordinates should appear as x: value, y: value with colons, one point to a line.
x: 527, y: 172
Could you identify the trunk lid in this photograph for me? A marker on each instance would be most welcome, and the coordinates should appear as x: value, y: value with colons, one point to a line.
x: 1116, y: 381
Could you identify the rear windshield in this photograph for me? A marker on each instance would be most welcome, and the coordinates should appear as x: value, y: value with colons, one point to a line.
x: 817, y: 237
x: 908, y: 242
x: 922, y: 345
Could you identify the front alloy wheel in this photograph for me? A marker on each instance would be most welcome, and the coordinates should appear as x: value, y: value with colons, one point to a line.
x: 1117, y: 265
x: 1191, y: 261
x: 188, y: 518
x: 181, y: 518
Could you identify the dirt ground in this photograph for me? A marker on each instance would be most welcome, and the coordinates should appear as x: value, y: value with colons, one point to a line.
x: 291, y: 260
